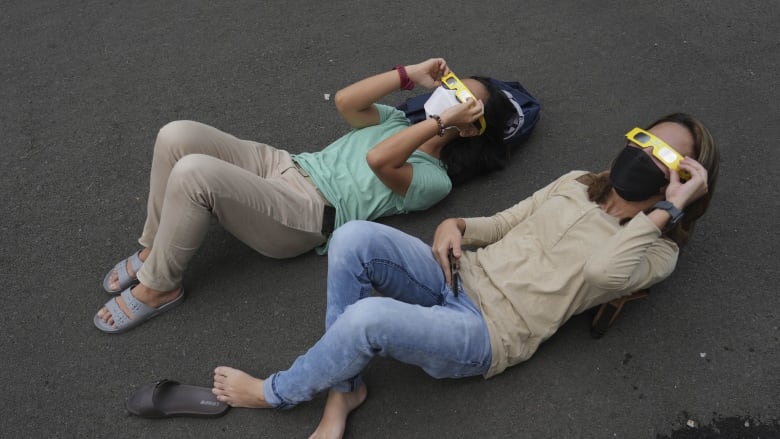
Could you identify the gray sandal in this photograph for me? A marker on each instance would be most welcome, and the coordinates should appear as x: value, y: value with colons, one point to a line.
x: 125, y: 281
x: 141, y: 312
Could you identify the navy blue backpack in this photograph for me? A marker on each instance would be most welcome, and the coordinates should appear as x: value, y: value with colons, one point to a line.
x: 519, y: 127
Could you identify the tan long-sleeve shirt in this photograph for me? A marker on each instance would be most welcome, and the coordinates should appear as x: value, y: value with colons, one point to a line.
x: 552, y: 256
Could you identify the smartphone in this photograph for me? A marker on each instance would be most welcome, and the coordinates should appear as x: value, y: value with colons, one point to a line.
x: 454, y: 270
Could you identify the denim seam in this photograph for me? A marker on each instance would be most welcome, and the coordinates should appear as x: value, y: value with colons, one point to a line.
x: 438, y: 297
x: 284, y: 403
x: 413, y: 348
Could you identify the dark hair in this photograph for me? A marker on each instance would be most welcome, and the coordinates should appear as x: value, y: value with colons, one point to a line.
x: 469, y: 157
x: 705, y: 152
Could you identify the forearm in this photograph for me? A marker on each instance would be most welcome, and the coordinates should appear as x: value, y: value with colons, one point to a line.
x: 660, y: 218
x: 355, y: 102
x: 487, y: 230
x: 396, y: 149
x: 633, y: 258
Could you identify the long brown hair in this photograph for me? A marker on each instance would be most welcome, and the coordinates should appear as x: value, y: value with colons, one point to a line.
x: 706, y: 153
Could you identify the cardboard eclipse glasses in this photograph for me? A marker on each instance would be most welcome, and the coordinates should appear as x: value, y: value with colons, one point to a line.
x: 462, y: 93
x: 661, y: 150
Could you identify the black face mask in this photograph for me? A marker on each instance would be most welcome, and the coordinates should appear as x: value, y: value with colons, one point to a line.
x: 635, y: 176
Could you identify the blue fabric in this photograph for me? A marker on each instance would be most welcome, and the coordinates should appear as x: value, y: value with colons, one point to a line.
x: 417, y: 320
x: 519, y: 127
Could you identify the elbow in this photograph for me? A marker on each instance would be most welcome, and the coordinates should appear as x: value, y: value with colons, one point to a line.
x: 374, y: 161
x: 601, y: 277
x: 342, y: 102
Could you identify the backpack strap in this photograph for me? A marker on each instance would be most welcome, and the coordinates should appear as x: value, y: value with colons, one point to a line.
x: 608, y: 312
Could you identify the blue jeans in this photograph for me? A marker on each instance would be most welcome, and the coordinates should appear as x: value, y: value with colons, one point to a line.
x: 418, y: 321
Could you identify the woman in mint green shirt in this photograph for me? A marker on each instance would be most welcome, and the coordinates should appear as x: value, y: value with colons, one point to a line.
x: 283, y: 205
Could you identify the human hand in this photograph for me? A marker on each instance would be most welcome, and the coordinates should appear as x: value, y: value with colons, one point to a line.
x: 463, y: 116
x: 447, y: 239
x: 682, y: 194
x: 428, y: 73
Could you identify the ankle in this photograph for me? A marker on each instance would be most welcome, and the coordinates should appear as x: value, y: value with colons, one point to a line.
x: 144, y: 253
x: 152, y: 297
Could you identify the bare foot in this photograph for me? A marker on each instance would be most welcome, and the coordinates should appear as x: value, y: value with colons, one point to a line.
x: 337, y: 409
x: 143, y: 293
x: 113, y: 281
x: 238, y: 389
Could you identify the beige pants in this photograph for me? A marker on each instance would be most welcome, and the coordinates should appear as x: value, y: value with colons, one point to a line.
x: 254, y: 190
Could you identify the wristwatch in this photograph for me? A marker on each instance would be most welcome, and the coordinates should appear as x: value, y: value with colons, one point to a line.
x: 675, y: 213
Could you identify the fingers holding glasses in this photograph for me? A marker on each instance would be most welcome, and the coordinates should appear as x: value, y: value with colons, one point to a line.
x: 428, y: 73
x: 682, y: 194
x: 464, y: 113
x: 476, y: 109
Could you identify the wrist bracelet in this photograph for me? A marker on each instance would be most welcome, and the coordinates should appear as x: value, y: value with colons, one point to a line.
x: 406, y: 83
x: 439, y: 123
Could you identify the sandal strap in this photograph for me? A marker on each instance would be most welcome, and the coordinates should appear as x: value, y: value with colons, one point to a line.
x: 117, y: 314
x: 149, y: 407
x: 121, y: 268
x: 124, y: 279
x: 135, y: 306
x: 135, y: 261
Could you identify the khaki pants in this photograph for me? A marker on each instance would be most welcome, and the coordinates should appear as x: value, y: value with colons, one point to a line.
x: 254, y: 190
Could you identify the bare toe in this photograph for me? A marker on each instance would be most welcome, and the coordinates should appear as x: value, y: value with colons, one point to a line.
x: 104, y: 314
x: 114, y: 280
x: 238, y: 389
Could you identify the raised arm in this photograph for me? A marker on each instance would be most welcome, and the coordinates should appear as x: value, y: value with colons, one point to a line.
x: 388, y: 158
x: 682, y: 194
x: 355, y: 102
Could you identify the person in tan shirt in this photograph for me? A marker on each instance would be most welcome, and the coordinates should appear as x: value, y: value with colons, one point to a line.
x: 582, y: 240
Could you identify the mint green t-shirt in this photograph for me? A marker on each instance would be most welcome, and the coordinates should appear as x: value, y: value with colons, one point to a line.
x: 342, y: 175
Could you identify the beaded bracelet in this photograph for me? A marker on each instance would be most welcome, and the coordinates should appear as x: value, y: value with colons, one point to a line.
x: 439, y: 123
x: 406, y: 83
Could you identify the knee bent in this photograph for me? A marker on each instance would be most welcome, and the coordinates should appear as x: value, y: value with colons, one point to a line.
x: 353, y: 234
x: 174, y: 134
x: 176, y: 129
x: 364, y: 317
x: 192, y: 169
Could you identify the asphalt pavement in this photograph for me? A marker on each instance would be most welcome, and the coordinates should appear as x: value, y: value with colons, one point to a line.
x: 85, y: 85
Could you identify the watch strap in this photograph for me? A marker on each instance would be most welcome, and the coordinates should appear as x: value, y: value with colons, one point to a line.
x: 674, y: 213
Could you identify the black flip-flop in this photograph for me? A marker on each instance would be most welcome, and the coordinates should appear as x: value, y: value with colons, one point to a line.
x: 166, y: 398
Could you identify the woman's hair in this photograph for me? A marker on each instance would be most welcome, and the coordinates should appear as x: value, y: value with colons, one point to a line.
x: 469, y: 157
x: 705, y: 152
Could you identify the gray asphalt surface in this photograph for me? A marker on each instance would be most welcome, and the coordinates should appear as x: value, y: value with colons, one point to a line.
x: 85, y: 85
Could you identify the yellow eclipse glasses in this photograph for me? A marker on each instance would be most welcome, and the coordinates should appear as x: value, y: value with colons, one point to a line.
x: 661, y: 150
x: 462, y: 93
